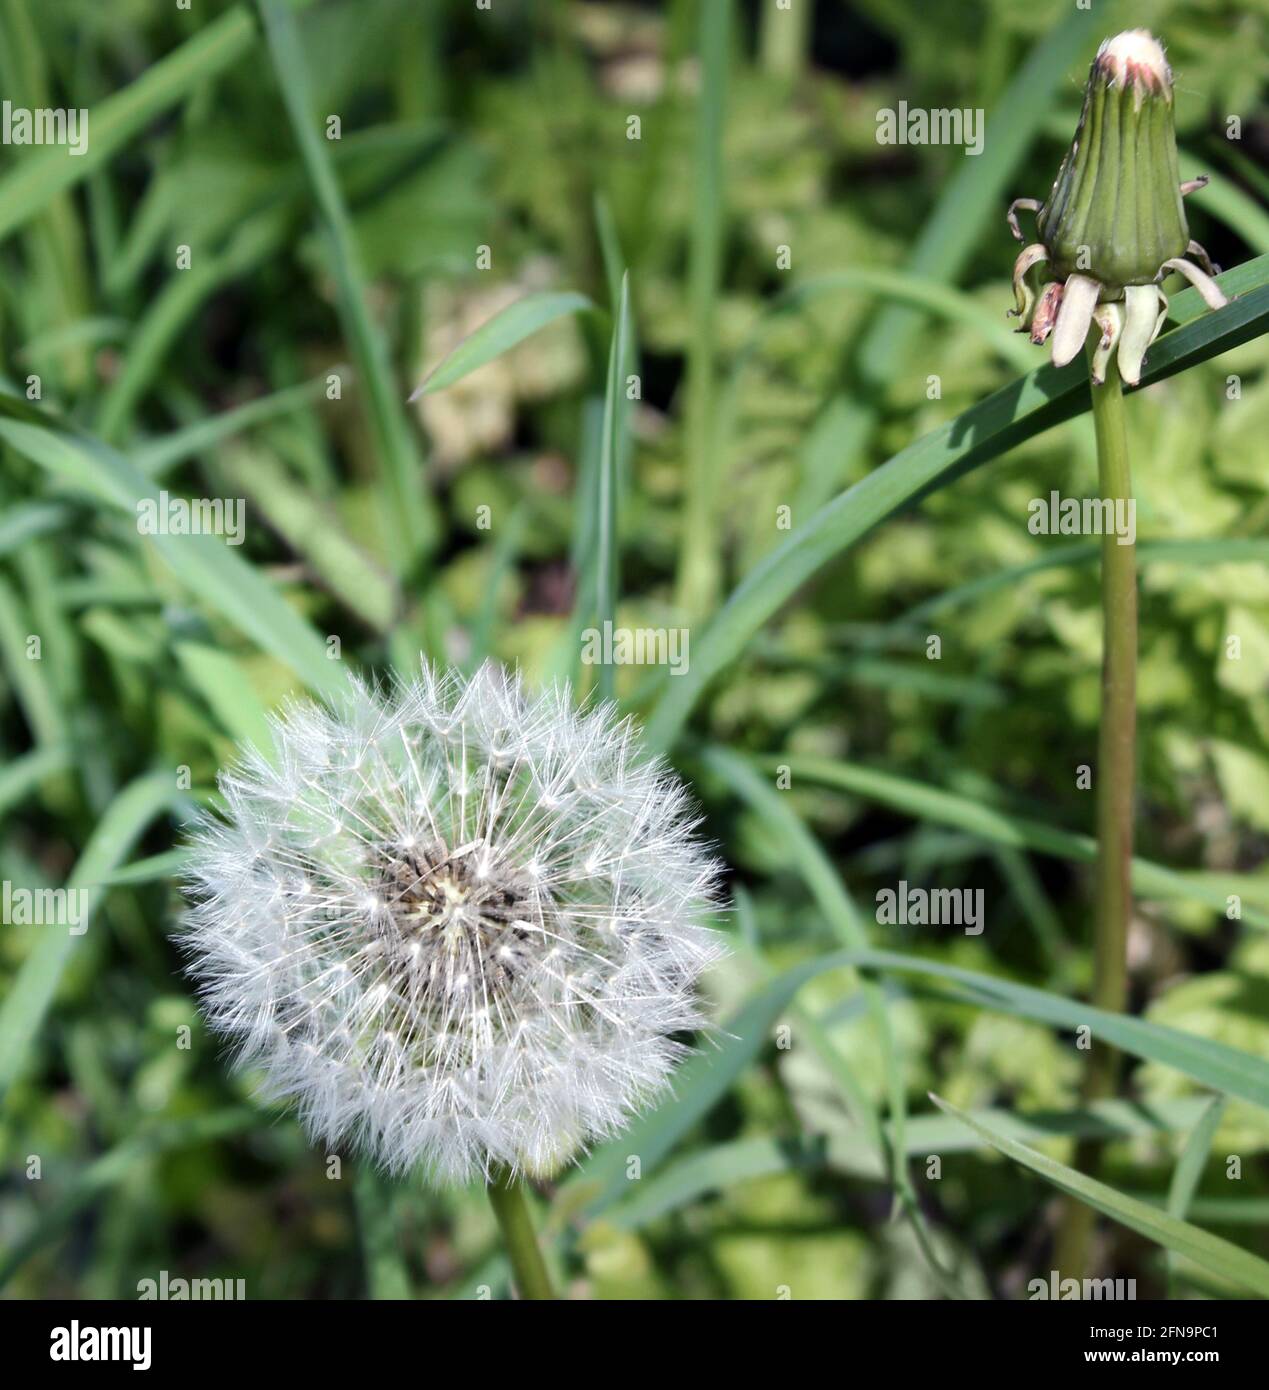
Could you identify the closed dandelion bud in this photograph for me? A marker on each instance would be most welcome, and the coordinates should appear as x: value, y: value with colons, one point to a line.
x: 459, y: 925
x: 1115, y: 211
x: 1114, y: 223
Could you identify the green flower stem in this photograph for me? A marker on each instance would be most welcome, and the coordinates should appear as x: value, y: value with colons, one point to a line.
x: 506, y: 1196
x: 1115, y: 777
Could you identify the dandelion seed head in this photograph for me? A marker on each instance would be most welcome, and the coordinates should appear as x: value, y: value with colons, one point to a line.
x: 457, y: 923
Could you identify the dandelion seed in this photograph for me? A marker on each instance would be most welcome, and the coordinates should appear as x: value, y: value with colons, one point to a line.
x: 404, y: 922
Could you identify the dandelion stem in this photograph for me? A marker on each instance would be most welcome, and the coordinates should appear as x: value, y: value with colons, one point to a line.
x: 1114, y: 774
x: 506, y: 1196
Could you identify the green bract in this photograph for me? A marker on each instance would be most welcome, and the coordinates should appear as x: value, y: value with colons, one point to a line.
x: 1114, y: 223
x: 1115, y: 211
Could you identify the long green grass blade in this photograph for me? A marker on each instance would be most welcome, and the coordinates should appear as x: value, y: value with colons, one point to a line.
x: 513, y: 325
x: 21, y: 777
x: 975, y: 816
x: 1227, y: 550
x: 161, y: 326
x: 606, y: 537
x: 387, y: 1276
x: 28, y: 1001
x: 1017, y: 412
x: 409, y: 516
x: 975, y: 197
x: 717, y: 1168
x: 1212, y: 1252
x: 1185, y: 1178
x: 1189, y: 1169
x: 28, y: 520
x: 1210, y: 1063
x: 221, y: 580
x: 156, y: 457
x: 310, y: 527
x: 215, y: 46
x: 221, y: 681
x: 171, y: 864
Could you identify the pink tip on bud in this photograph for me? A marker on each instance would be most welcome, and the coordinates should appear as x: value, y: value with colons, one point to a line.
x: 1135, y: 56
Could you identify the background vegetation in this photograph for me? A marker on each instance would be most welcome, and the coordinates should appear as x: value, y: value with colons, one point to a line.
x: 844, y: 387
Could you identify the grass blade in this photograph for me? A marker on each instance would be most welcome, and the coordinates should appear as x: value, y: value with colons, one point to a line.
x: 311, y: 529
x: 28, y: 520
x: 219, y: 578
x: 23, y: 1010
x: 1212, y: 1064
x: 500, y: 334
x: 717, y: 1168
x: 157, y: 457
x: 39, y: 178
x: 1189, y: 1169
x: 1226, y: 550
x: 976, y: 195
x: 24, y: 774
x: 1017, y: 412
x: 408, y: 513
x: 1212, y: 1252
x: 974, y: 817
x: 386, y: 1274
x: 705, y: 1079
x: 171, y: 863
x: 606, y: 541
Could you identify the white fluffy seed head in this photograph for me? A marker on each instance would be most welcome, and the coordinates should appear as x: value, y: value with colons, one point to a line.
x: 457, y: 923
